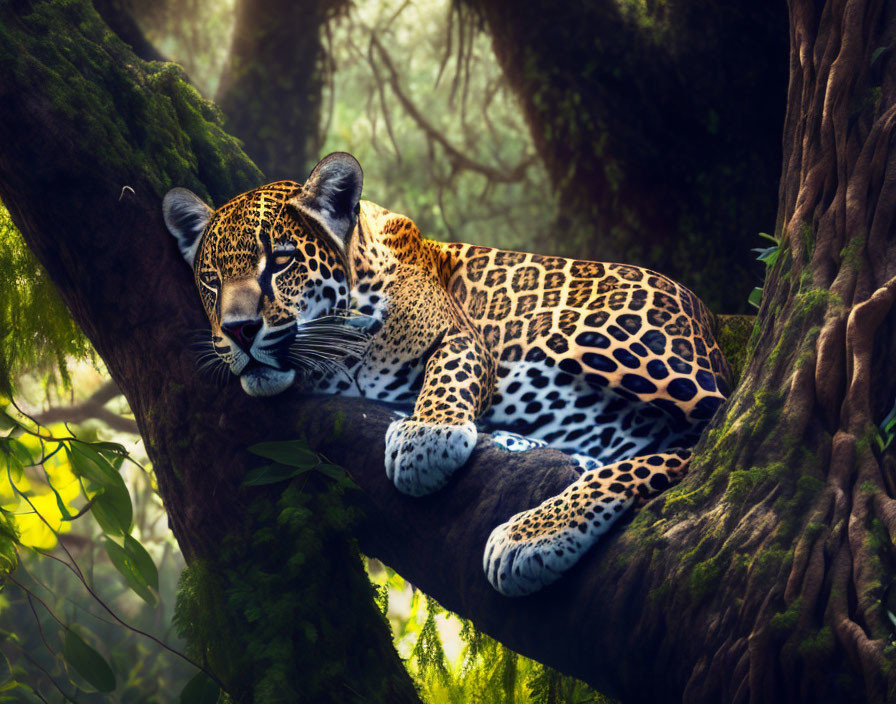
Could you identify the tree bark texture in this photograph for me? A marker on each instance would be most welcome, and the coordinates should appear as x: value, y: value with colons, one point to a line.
x: 90, y: 138
x: 760, y: 578
x: 271, y: 89
x: 660, y: 126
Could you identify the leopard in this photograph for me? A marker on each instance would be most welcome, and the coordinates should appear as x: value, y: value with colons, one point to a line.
x: 305, y: 284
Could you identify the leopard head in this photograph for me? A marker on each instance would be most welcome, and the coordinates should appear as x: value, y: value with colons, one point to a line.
x: 271, y: 267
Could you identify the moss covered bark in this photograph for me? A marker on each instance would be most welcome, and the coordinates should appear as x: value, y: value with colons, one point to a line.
x: 660, y: 126
x: 90, y: 137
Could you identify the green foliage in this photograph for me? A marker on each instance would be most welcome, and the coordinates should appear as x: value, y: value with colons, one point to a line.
x: 292, y: 458
x: 48, y: 483
x: 454, y: 663
x: 886, y: 431
x: 136, y: 566
x: 769, y: 257
x: 200, y: 690
x: 36, y: 331
x: 733, y: 334
x: 254, y: 614
x: 87, y: 662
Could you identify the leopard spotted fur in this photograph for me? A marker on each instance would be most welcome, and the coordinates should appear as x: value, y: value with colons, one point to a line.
x: 614, y: 364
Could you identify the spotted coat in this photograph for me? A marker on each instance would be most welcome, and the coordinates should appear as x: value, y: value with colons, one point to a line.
x: 614, y: 364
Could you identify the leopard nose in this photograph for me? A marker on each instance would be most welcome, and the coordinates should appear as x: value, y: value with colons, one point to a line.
x: 242, y: 332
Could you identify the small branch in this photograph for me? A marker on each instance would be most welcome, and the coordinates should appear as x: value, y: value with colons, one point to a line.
x: 457, y: 158
x: 92, y: 408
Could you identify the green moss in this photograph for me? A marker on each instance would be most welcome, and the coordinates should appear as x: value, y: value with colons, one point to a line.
x: 338, y: 425
x: 769, y: 562
x: 742, y: 481
x: 819, y: 645
x: 660, y: 594
x: 143, y: 121
x: 257, y: 614
x: 733, y: 333
x: 705, y: 577
x: 784, y: 622
x: 812, y: 300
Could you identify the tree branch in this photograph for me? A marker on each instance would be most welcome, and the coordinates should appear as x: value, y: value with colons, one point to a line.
x: 92, y: 408
x: 457, y: 158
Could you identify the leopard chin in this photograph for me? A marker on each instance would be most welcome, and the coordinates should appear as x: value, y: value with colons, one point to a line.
x: 261, y: 380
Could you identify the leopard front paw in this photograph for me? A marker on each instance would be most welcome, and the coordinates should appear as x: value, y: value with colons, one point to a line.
x: 421, y: 457
x: 535, y: 547
x: 517, y: 564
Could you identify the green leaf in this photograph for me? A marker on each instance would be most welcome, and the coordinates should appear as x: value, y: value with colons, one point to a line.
x: 769, y: 255
x: 770, y: 237
x: 87, y: 662
x: 90, y: 464
x: 112, y: 508
x: 755, y: 297
x: 5, y: 670
x: 23, y: 694
x: 7, y: 422
x: 145, y: 566
x: 273, y: 473
x: 294, y: 453
x: 112, y: 505
x: 109, y: 448
x: 201, y: 689
x: 63, y: 509
x: 338, y: 473
x: 137, y: 568
x: 877, y: 52
x: 18, y: 450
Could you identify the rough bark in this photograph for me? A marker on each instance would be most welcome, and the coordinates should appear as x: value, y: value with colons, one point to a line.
x: 760, y: 578
x: 90, y: 137
x: 659, y: 124
x: 271, y: 89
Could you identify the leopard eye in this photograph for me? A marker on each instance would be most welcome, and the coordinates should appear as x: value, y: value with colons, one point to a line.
x: 283, y: 259
x: 208, y: 278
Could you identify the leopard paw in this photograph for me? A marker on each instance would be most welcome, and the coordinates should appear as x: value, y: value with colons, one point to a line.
x: 421, y: 457
x: 535, y: 547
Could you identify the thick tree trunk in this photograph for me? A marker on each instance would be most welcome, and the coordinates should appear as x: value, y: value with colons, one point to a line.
x: 271, y: 90
x: 660, y: 126
x: 275, y: 598
x: 760, y: 578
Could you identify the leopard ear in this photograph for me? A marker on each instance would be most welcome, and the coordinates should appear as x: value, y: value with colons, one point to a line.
x: 186, y: 216
x: 331, y: 196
